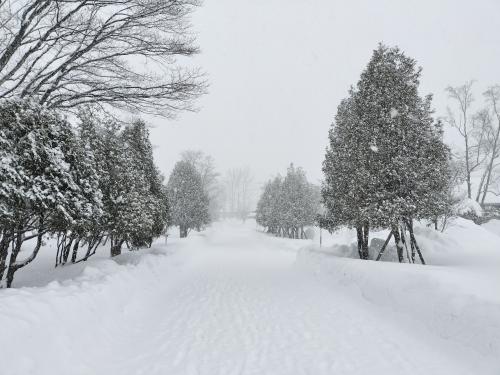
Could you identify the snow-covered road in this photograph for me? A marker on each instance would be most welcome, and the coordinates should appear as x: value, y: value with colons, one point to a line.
x: 229, y: 301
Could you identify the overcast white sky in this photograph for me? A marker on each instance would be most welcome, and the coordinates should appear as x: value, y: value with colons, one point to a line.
x: 279, y: 68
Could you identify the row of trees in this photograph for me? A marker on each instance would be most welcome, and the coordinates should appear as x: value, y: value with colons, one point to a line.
x: 288, y: 204
x: 386, y: 165
x: 81, y: 185
x: 92, y: 181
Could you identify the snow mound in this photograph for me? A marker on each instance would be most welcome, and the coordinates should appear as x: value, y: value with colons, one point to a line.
x: 469, y: 207
x: 492, y: 226
x: 84, y: 315
x: 458, y: 245
x: 455, y: 305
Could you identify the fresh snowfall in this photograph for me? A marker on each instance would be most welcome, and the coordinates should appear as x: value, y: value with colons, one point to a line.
x: 239, y: 187
x: 232, y: 300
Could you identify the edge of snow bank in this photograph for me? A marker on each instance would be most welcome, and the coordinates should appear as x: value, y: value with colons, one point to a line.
x: 105, y: 296
x: 454, y: 304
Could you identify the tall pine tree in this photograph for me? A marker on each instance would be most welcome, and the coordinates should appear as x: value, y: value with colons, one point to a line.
x: 387, y: 164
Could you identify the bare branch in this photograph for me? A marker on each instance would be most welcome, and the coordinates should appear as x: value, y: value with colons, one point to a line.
x: 122, y: 53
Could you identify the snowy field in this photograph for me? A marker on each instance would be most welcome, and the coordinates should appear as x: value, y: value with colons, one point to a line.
x: 232, y: 300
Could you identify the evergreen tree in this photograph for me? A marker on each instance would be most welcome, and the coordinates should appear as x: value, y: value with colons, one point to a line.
x: 204, y: 164
x: 268, y: 206
x: 47, y: 181
x: 135, y: 201
x: 188, y: 198
x: 152, y: 220
x: 386, y: 164
x: 287, y: 205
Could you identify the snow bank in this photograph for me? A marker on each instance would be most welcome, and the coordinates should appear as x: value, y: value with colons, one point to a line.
x: 468, y: 207
x: 39, y: 323
x: 458, y: 245
x: 492, y: 226
x: 457, y: 298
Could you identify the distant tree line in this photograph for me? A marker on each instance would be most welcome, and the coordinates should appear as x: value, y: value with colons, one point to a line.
x: 288, y: 205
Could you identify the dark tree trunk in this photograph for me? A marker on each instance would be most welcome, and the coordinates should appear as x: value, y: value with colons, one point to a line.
x: 397, y: 241
x: 92, y: 246
x: 359, y: 232
x: 13, y: 266
x: 183, y: 231
x: 116, y: 247
x: 75, y: 251
x: 414, y: 240
x: 4, y: 250
x: 365, y: 249
x: 11, y: 270
x: 403, y: 240
x: 382, y: 250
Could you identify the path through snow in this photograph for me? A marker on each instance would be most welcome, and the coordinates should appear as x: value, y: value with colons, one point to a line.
x: 229, y: 301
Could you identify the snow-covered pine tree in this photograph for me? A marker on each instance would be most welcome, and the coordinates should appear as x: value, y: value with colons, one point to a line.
x: 135, y: 200
x: 205, y: 166
x: 268, y: 212
x: 149, y: 182
x: 386, y: 158
x: 46, y: 181
x: 116, y: 180
x: 347, y: 187
x: 301, y: 202
x: 188, y: 198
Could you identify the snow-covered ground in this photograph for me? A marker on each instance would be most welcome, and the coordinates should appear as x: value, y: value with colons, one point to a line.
x: 232, y: 300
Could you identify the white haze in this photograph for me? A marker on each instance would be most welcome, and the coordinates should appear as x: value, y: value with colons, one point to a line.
x: 279, y: 68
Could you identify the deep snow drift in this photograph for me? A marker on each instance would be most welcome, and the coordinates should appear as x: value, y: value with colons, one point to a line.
x: 232, y: 300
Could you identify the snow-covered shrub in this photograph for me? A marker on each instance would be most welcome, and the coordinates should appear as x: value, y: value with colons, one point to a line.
x: 468, y: 209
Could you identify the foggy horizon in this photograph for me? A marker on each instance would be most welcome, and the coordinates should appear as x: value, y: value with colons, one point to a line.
x: 278, y: 69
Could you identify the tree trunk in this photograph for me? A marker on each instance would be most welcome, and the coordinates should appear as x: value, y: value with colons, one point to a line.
x: 116, y: 247
x: 67, y: 249
x: 403, y: 240
x: 183, y: 231
x: 397, y: 241
x: 359, y: 233
x: 75, y: 251
x: 414, y: 240
x: 4, y: 250
x: 13, y: 265
x: 382, y: 250
x: 481, y: 184
x: 467, y: 164
x: 365, y: 249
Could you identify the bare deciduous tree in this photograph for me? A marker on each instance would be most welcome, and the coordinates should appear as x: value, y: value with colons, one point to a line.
x: 120, y: 53
x: 238, y: 191
x: 493, y: 98
x: 463, y: 122
x: 483, y: 132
